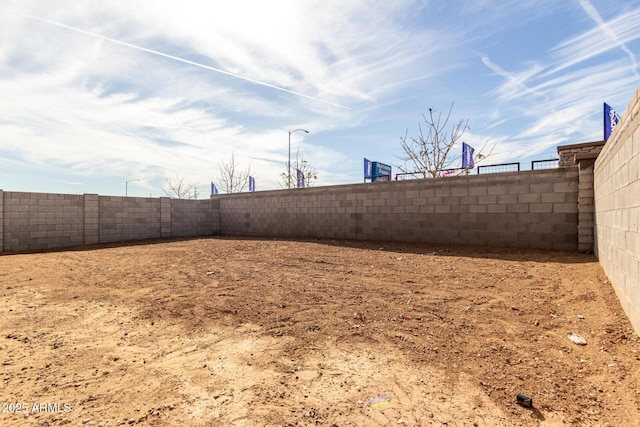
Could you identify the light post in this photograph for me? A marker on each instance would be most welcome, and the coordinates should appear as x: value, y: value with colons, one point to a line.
x: 289, y: 163
x: 126, y: 186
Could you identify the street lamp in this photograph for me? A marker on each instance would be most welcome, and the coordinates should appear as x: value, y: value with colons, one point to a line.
x: 126, y: 186
x: 289, y: 163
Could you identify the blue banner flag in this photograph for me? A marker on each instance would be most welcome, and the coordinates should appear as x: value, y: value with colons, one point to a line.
x: 252, y: 184
x: 611, y: 119
x: 467, y: 156
x: 367, y: 168
x: 300, y: 178
x: 380, y: 172
x: 214, y: 190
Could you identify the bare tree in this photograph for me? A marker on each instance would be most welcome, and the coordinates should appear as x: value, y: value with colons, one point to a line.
x: 309, y: 172
x: 232, y: 179
x: 430, y: 153
x: 178, y: 189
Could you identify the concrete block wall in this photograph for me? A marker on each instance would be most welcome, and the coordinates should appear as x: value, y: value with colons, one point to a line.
x: 165, y: 217
x: 1, y: 220
x: 532, y: 209
x: 42, y: 221
x: 38, y: 221
x: 128, y: 218
x: 584, y: 156
x: 215, y: 218
x: 567, y: 153
x: 617, y: 209
x: 191, y: 218
x: 586, y: 203
x: 91, y: 219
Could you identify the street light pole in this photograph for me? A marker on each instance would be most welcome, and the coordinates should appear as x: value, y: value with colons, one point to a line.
x: 126, y: 186
x: 289, y: 163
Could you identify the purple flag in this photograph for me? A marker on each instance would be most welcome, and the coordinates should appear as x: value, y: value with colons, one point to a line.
x: 467, y: 156
x: 367, y: 168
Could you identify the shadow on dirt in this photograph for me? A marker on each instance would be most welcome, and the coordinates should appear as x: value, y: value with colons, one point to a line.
x: 488, y: 252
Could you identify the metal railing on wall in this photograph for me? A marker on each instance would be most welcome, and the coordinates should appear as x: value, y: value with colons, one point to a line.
x: 544, y: 164
x: 408, y: 175
x: 500, y: 167
x: 419, y: 175
x: 483, y: 169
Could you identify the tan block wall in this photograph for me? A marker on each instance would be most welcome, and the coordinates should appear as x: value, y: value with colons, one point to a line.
x: 583, y: 155
x: 617, y: 209
x: 567, y: 153
x: 586, y: 207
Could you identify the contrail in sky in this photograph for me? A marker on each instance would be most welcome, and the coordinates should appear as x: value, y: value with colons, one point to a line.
x: 176, y: 58
x: 606, y: 29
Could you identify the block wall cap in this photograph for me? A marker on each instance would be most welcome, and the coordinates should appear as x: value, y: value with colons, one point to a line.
x: 584, y: 156
x: 583, y: 145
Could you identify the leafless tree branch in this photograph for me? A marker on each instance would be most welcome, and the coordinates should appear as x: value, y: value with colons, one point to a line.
x: 178, y: 189
x: 430, y: 152
x: 232, y: 179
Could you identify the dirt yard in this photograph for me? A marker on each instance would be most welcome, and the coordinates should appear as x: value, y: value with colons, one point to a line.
x: 236, y: 332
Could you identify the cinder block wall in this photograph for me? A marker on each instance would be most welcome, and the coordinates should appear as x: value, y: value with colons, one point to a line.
x: 584, y: 156
x: 617, y: 207
x: 192, y: 217
x: 42, y: 221
x: 533, y: 209
x: 36, y: 221
x: 567, y: 153
x: 586, y: 205
x: 128, y: 218
x: 1, y: 220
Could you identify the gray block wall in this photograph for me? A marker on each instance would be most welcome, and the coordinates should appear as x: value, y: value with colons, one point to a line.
x: 617, y: 209
x: 1, y: 221
x: 128, y: 218
x: 91, y: 219
x: 42, y: 221
x: 215, y: 218
x: 39, y: 221
x: 191, y: 218
x: 533, y: 209
x: 165, y: 218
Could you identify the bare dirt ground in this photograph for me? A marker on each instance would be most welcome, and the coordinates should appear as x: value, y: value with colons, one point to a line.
x: 236, y: 332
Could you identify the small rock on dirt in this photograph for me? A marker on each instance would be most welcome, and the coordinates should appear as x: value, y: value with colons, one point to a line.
x: 576, y: 339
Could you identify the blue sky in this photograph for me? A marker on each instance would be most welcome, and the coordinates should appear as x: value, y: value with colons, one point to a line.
x: 98, y: 93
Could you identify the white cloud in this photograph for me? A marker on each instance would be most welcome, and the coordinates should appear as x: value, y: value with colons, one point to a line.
x: 609, y: 31
x: 567, y: 114
x: 98, y: 87
x: 556, y: 98
x: 516, y: 84
x: 599, y: 40
x: 323, y: 49
x: 152, y: 89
